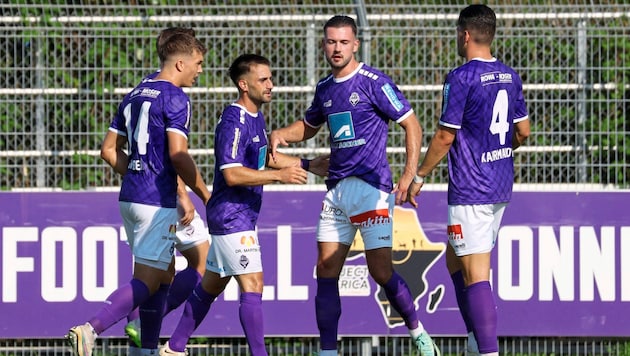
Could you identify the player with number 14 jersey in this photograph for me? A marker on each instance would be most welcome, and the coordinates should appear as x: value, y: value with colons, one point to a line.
x: 149, y: 179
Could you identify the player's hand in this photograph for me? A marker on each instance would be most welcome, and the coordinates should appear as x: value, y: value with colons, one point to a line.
x: 293, y: 175
x: 413, y: 192
x: 319, y: 165
x: 185, y: 209
x: 276, y: 139
x: 401, y: 189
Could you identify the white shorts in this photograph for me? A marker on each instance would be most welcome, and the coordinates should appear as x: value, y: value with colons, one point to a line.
x: 473, y: 228
x: 234, y: 254
x: 355, y: 205
x: 191, y: 235
x: 150, y: 233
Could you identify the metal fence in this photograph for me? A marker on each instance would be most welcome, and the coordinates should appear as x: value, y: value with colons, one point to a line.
x: 66, y: 65
x: 370, y: 346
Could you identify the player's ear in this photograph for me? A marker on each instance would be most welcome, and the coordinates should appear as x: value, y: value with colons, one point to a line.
x: 242, y: 84
x: 179, y: 65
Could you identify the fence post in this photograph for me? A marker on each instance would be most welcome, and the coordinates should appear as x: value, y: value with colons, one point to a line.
x: 40, y: 127
x: 581, y: 145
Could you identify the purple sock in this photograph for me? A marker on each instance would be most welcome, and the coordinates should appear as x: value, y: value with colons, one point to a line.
x: 195, y: 310
x: 119, y: 304
x: 482, y: 311
x: 183, y: 284
x: 251, y: 316
x: 400, y: 299
x: 460, y: 288
x: 328, y: 312
x: 151, y: 318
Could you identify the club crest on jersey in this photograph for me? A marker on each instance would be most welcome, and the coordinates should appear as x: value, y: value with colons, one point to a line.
x: 354, y: 98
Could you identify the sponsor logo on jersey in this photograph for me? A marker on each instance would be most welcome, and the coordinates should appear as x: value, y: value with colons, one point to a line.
x: 392, y: 97
x: 445, y: 92
x: 151, y: 93
x: 262, y: 157
x: 495, y: 77
x: 487, y: 77
x: 341, y: 126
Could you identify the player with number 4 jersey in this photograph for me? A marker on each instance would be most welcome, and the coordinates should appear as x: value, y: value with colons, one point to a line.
x: 482, y: 152
x: 484, y: 118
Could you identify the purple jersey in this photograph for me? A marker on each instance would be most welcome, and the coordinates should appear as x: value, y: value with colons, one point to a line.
x: 482, y: 100
x: 240, y: 140
x: 357, y: 110
x: 145, y: 115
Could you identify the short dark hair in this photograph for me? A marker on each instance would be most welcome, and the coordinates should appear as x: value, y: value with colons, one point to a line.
x: 480, y: 21
x: 242, y: 64
x: 341, y: 21
x: 179, y: 43
x: 166, y: 33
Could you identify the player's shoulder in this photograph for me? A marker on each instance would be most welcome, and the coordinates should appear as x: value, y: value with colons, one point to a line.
x: 372, y: 73
x: 234, y: 115
x: 475, y: 70
x: 324, y: 81
x: 158, y: 89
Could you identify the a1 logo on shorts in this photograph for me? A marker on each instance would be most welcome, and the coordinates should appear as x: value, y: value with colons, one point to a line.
x: 341, y: 126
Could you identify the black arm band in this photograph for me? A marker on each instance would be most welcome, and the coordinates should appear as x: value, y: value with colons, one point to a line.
x: 305, y: 163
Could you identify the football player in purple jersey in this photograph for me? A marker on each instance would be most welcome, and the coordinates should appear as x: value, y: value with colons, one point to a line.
x: 484, y: 118
x: 357, y: 103
x: 153, y: 123
x: 192, y: 242
x: 241, y: 157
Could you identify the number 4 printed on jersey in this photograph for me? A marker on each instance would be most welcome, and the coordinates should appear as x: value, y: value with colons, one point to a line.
x: 500, y: 125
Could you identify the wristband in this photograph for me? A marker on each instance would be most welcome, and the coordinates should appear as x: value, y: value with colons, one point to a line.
x: 418, y: 179
x: 305, y: 163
